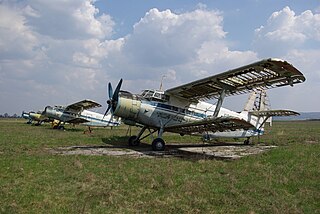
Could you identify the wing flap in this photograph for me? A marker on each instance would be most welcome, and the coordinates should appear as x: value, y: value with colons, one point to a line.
x: 264, y: 74
x: 211, y: 124
x: 272, y: 113
x: 82, y: 105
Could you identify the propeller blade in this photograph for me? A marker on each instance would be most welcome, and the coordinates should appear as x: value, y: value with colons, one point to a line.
x: 116, y: 92
x: 110, y: 91
x: 109, y: 106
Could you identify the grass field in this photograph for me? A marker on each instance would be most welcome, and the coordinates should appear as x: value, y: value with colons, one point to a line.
x: 32, y: 180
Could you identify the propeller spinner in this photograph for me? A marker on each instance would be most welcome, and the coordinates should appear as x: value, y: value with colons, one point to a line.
x: 113, y: 97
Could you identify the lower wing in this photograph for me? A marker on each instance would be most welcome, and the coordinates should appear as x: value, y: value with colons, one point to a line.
x: 271, y: 113
x: 77, y: 121
x: 210, y: 124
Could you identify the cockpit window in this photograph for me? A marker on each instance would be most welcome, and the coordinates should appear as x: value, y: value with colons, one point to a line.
x: 155, y: 95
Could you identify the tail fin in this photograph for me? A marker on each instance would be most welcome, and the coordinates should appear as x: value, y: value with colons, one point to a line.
x: 259, y: 111
x: 258, y: 101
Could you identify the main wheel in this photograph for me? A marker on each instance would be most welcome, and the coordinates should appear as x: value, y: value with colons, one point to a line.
x: 158, y: 144
x: 133, y: 141
x: 246, y: 142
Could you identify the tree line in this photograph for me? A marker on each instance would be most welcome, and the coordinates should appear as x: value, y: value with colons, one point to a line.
x: 6, y: 115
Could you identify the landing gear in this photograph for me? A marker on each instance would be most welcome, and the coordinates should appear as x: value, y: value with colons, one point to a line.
x: 88, y: 131
x: 59, y: 127
x: 247, y: 141
x: 158, y: 144
x: 134, y: 141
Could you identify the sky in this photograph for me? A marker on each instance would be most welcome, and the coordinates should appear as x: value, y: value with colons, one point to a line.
x: 63, y: 51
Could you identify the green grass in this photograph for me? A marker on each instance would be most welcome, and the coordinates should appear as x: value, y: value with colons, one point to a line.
x: 284, y: 180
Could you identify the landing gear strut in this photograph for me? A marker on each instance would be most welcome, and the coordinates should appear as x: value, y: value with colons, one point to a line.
x: 247, y: 141
x: 158, y: 144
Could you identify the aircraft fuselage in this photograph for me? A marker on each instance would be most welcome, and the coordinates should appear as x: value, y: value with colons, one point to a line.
x: 85, y: 117
x: 156, y: 114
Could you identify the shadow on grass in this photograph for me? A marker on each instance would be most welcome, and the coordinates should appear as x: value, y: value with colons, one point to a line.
x: 67, y: 129
x: 172, y: 150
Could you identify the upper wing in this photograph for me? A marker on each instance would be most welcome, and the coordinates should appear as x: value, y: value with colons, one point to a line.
x: 82, y: 105
x: 211, y: 124
x: 270, y: 113
x: 265, y: 74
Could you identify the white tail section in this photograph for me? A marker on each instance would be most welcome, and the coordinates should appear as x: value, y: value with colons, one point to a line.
x: 258, y: 101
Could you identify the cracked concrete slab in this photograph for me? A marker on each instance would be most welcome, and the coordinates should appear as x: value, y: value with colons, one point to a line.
x: 189, y: 151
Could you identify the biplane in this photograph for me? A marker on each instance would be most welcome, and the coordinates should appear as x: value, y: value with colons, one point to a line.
x: 33, y: 116
x: 78, y: 113
x: 185, y: 110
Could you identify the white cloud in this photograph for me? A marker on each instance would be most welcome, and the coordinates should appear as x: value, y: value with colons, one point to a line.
x: 285, y: 30
x: 163, y: 38
x: 16, y: 39
x: 295, y: 38
x: 73, y: 19
x: 57, y: 52
x: 51, y: 50
x: 191, y: 43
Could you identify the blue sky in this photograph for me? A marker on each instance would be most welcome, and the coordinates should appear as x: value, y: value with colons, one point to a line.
x: 59, y: 52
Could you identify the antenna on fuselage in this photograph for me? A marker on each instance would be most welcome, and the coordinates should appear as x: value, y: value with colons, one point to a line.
x: 163, y: 76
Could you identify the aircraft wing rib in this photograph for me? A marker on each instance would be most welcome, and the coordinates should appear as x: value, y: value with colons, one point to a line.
x: 264, y: 74
x: 276, y: 113
x: 82, y: 105
x: 211, y: 124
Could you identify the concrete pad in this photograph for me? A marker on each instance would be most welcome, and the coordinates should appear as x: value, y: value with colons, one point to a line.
x: 226, y: 152
x: 187, y: 151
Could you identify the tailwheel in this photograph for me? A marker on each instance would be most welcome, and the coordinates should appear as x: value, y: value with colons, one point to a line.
x: 134, y: 141
x: 158, y: 144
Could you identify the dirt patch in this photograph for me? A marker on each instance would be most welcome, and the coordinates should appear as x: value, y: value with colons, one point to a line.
x: 189, y: 151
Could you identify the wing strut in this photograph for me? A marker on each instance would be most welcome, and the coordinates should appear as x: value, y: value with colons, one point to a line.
x: 219, y: 103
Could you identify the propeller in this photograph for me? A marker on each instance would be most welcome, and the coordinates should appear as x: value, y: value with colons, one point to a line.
x: 113, y: 97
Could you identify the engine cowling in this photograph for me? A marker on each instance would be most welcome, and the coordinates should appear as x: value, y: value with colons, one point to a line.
x: 128, y: 106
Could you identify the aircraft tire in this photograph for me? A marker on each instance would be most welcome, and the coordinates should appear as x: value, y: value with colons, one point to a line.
x: 133, y: 141
x: 246, y: 142
x: 158, y: 144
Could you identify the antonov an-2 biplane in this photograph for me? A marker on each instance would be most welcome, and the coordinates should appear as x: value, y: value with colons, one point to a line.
x: 78, y: 113
x: 37, y: 117
x: 182, y: 109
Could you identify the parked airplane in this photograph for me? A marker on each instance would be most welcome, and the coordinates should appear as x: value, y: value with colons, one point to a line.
x: 182, y: 109
x: 32, y: 116
x: 77, y: 113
